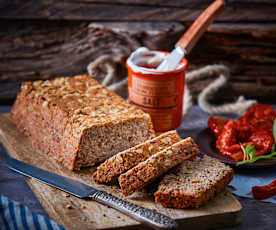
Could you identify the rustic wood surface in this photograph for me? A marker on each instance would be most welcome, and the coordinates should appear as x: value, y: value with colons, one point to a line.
x: 43, y: 39
x: 33, y: 50
x: 72, y: 212
x: 40, y: 50
x: 141, y: 10
x: 249, y: 51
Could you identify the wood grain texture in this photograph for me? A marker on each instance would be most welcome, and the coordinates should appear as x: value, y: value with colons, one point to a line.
x: 72, y: 212
x: 39, y: 50
x: 141, y: 10
x: 44, y: 48
x: 249, y: 52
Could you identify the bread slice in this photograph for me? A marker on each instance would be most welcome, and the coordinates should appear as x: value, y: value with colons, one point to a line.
x: 112, y: 168
x: 193, y: 183
x: 78, y: 121
x: 157, y: 164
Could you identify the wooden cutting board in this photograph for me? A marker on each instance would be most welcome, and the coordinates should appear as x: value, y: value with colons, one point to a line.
x: 74, y: 213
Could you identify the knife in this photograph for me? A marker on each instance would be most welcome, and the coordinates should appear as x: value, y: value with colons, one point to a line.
x: 149, y: 217
x: 191, y: 36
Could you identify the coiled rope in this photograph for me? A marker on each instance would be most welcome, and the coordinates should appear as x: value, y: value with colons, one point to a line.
x: 106, y: 65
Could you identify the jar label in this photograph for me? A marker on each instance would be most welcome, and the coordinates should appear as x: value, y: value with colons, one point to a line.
x: 153, y: 94
x: 159, y: 98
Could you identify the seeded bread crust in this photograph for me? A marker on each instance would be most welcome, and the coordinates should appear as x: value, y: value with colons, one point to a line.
x: 156, y: 165
x: 112, y: 168
x: 78, y: 121
x: 193, y: 183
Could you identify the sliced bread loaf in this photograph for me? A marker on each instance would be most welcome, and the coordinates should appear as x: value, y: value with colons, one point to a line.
x: 157, y: 164
x: 112, y: 168
x: 193, y: 183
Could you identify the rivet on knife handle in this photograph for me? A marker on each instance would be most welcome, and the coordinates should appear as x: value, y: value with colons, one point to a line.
x: 150, y: 217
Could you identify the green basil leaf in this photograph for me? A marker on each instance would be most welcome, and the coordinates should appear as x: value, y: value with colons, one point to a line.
x: 250, y: 150
x: 255, y: 158
x: 253, y: 150
x: 252, y: 155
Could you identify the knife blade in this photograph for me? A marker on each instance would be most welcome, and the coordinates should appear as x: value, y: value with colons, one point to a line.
x: 172, y: 60
x: 147, y: 216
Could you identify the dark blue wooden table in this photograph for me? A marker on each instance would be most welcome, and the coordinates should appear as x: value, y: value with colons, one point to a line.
x: 256, y: 215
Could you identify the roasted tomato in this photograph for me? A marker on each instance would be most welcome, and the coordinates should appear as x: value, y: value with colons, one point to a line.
x: 228, y: 136
x: 264, y: 192
x: 255, y: 127
x: 258, y: 117
x: 227, y: 141
x: 216, y: 125
x: 263, y: 141
x: 243, y: 133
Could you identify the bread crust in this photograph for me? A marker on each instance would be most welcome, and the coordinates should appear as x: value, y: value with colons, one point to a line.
x: 112, y: 168
x: 156, y: 165
x: 78, y: 121
x: 193, y: 183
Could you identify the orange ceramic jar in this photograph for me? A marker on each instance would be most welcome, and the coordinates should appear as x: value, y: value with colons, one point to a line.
x: 158, y: 93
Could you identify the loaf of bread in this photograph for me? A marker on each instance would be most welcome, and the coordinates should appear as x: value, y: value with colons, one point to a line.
x: 193, y: 183
x: 78, y: 121
x: 112, y: 168
x: 156, y: 165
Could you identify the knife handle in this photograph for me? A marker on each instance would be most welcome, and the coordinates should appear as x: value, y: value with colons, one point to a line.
x: 152, y: 218
x: 192, y: 35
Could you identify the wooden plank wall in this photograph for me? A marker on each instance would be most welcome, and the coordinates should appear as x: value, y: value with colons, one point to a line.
x: 43, y: 38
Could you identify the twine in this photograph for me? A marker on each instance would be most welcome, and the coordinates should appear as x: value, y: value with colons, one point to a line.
x: 105, y: 67
x: 220, y: 72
